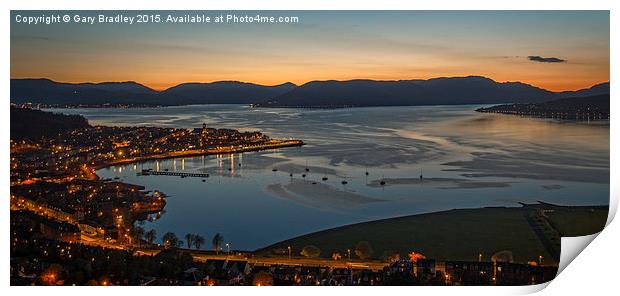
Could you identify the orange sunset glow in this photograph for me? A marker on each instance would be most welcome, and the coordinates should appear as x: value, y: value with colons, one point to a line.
x: 326, y: 46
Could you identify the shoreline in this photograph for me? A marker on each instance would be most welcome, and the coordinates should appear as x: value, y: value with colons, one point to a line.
x: 255, y: 106
x: 201, y: 152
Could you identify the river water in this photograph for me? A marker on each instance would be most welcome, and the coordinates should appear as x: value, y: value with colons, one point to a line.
x: 467, y: 160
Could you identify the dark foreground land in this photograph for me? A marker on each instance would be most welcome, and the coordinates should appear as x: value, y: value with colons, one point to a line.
x: 486, y: 246
x: 526, y: 232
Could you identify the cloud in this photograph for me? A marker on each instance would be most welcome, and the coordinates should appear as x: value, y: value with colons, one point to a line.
x: 545, y: 60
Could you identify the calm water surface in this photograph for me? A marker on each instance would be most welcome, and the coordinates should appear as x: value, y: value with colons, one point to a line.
x: 468, y: 159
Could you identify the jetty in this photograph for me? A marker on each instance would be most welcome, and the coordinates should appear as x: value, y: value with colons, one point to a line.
x: 177, y: 174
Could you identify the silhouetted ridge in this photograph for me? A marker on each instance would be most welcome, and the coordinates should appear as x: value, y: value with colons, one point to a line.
x: 436, y: 91
x: 223, y: 92
x: 328, y: 93
x: 49, y: 92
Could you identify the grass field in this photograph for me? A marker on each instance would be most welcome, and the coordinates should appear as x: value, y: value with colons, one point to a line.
x: 460, y: 234
x: 578, y: 221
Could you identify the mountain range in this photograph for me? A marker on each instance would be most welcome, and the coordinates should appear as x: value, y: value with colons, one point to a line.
x: 331, y: 93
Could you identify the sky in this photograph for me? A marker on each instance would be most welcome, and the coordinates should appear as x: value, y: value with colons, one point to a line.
x: 555, y: 50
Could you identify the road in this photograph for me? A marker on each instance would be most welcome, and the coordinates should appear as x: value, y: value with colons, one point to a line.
x: 296, y: 261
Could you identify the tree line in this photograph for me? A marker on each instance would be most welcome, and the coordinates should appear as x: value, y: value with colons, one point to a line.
x: 171, y: 240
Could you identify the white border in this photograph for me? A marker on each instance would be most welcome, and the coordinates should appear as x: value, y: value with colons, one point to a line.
x: 593, y: 272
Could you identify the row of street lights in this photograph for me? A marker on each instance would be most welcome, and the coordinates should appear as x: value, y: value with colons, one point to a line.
x: 289, y: 253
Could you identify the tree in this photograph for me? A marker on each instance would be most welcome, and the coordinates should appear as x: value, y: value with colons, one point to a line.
x: 189, y: 239
x: 217, y: 242
x: 170, y: 240
x: 414, y: 257
x: 138, y: 234
x: 390, y: 256
x: 363, y: 250
x: 310, y: 251
x: 198, y: 241
x: 503, y: 256
x: 150, y: 236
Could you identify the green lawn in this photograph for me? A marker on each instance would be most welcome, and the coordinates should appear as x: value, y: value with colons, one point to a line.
x: 578, y: 221
x: 450, y: 235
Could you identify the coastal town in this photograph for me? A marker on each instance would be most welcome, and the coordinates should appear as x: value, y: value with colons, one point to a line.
x: 55, y: 177
x: 592, y: 108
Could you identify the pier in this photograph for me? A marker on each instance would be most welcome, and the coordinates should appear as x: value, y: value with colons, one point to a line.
x: 177, y: 174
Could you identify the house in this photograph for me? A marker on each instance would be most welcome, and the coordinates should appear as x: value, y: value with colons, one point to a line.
x: 216, y: 270
x: 192, y: 277
x: 341, y: 277
x: 401, y: 266
x: 425, y: 268
x: 237, y: 267
x: 284, y: 275
x: 310, y: 276
x: 368, y: 277
x: 522, y: 274
x: 469, y: 273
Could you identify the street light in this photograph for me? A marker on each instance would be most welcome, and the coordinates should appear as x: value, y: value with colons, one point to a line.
x: 227, y: 249
x: 289, y: 252
x: 349, y: 253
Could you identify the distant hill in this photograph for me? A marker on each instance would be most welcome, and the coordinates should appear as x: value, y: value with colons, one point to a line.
x: 223, y: 92
x: 437, y: 91
x: 599, y: 89
x: 49, y: 92
x: 34, y: 124
x: 577, y: 108
x: 322, y: 94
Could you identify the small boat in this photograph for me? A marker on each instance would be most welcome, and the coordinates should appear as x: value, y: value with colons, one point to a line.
x: 303, y: 175
x: 307, y: 169
x: 203, y: 180
x: 274, y: 170
x: 382, y: 182
x: 344, y: 182
x: 324, y: 178
x: 291, y: 174
x: 314, y: 183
